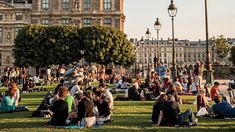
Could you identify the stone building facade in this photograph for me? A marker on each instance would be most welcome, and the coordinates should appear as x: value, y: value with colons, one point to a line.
x: 79, y: 12
x: 15, y: 14
x: 186, y: 52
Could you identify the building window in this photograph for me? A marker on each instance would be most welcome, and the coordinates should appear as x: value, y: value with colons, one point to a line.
x: 45, y: 22
x: 66, y: 5
x: 1, y: 35
x: 45, y: 4
x: 19, y: 16
x: 108, y: 22
x: 1, y: 16
x: 65, y: 20
x: 86, y: 22
x: 107, y: 4
x: 87, y: 5
x: 17, y: 31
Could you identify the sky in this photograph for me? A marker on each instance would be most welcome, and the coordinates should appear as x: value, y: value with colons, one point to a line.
x: 189, y: 21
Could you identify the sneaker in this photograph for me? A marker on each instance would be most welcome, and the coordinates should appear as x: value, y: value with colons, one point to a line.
x: 194, y: 123
x: 195, y: 120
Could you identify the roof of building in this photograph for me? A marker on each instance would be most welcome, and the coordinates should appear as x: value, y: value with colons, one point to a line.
x: 17, y: 1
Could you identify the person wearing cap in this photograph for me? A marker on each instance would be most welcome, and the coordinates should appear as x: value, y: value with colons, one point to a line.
x: 107, y: 94
x: 215, y: 90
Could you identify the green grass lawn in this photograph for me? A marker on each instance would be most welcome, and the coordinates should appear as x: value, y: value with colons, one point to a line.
x: 128, y: 116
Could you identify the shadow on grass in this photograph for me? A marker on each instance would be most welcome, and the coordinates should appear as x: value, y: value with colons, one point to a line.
x: 22, y: 125
x: 23, y: 114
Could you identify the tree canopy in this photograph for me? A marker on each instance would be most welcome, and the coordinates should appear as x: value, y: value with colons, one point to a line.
x: 232, y: 55
x: 106, y: 45
x: 222, y: 48
x: 40, y: 46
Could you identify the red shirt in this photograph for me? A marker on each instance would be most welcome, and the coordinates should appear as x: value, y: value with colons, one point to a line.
x: 214, y: 92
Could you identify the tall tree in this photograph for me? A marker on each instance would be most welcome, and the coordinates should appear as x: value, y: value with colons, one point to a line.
x: 60, y: 45
x: 106, y: 45
x: 222, y: 48
x: 232, y: 55
x: 27, y: 44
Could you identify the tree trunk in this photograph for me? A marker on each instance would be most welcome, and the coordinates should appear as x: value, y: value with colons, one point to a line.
x: 37, y: 71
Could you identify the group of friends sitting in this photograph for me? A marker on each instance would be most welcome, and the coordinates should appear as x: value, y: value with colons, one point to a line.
x: 166, y: 108
x: 77, y: 106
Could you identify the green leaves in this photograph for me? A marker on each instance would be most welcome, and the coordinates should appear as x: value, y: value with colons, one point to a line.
x: 40, y: 46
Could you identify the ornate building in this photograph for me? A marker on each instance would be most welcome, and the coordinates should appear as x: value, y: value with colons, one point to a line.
x: 15, y: 14
x: 186, y: 52
x: 79, y: 12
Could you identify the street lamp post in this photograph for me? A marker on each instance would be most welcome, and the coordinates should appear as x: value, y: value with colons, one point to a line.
x: 172, y: 11
x: 142, y: 60
x: 209, y: 76
x: 148, y: 35
x: 157, y: 26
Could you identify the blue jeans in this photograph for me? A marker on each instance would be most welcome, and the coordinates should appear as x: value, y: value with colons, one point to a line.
x: 183, y: 116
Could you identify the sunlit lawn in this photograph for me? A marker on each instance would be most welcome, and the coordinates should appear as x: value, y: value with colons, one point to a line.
x: 128, y: 116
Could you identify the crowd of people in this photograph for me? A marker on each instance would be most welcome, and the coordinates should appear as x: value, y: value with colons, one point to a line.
x: 76, y: 101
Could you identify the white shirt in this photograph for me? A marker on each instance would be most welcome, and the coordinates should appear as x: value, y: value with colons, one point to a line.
x: 48, y: 71
x: 194, y: 86
x: 75, y: 89
x: 109, y: 97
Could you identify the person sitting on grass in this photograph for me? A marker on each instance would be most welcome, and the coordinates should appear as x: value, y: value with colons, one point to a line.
x: 172, y: 91
x: 156, y: 107
x: 16, y: 92
x: 8, y: 102
x: 133, y: 93
x: 60, y: 109
x: 170, y: 114
x: 85, y: 113
x: 202, y: 100
x: 107, y: 95
x: 222, y: 108
x: 103, y: 113
x: 70, y: 100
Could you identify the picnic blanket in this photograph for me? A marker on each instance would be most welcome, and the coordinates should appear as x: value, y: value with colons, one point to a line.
x: 71, y: 126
